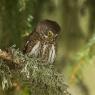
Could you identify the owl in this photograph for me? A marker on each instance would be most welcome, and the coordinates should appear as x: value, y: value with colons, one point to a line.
x: 41, y: 43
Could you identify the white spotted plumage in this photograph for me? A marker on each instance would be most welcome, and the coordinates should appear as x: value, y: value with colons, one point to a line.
x: 52, y: 54
x: 36, y: 49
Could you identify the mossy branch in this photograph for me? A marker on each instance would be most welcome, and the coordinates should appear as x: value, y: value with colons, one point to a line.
x: 40, y: 78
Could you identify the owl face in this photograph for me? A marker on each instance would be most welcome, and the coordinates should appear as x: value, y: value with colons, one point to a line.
x: 48, y: 30
x: 49, y: 35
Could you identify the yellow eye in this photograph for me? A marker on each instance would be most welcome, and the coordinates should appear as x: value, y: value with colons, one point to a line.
x: 50, y: 33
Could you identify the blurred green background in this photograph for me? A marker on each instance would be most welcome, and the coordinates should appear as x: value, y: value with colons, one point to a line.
x: 76, y: 44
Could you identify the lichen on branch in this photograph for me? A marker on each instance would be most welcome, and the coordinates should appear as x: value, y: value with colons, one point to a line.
x: 17, y: 69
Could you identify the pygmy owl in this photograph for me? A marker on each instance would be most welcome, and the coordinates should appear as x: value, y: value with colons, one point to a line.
x: 41, y: 43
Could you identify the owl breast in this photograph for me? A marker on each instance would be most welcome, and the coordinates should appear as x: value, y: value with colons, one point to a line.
x: 44, y: 51
x: 52, y: 54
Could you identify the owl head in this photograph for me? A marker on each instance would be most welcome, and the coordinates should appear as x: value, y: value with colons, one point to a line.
x: 48, y: 30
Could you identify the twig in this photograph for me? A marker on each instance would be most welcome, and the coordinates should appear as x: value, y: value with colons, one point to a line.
x: 9, y: 58
x: 5, y: 56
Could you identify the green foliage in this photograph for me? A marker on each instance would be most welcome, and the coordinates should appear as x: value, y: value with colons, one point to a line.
x: 22, y: 4
x: 87, y: 52
x: 40, y: 78
x: 82, y: 58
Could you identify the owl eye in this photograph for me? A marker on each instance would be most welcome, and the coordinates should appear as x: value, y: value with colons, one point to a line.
x: 50, y: 34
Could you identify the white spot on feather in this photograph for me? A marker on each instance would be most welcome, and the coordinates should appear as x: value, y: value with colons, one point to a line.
x: 36, y: 49
x: 44, y: 48
x: 52, y: 54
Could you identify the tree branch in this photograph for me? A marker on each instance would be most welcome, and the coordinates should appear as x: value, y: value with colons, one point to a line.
x: 5, y: 56
x: 10, y: 59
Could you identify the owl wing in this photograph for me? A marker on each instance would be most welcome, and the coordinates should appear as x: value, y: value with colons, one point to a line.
x: 32, y: 39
